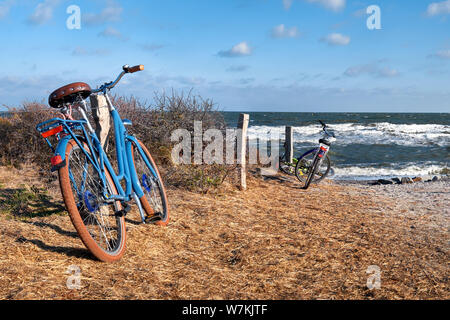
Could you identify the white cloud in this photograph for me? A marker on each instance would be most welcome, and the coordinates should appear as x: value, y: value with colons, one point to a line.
x: 110, y: 32
x: 445, y: 54
x: 334, y: 5
x: 151, y: 47
x: 387, y: 72
x: 5, y: 6
x: 442, y: 54
x: 43, y: 12
x: 239, y: 50
x: 360, y: 13
x: 336, y: 39
x: 180, y: 80
x: 372, y: 69
x: 79, y: 51
x: 240, y: 68
x: 282, y: 32
x: 437, y: 8
x: 287, y: 4
x: 111, y: 13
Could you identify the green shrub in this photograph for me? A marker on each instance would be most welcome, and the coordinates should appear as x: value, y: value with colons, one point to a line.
x: 152, y: 124
x: 19, y: 140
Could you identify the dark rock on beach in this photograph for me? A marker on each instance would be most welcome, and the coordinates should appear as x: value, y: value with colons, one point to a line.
x: 381, y: 182
x: 396, y: 181
x: 406, y: 180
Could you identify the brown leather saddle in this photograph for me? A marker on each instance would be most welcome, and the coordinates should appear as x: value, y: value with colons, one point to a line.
x: 69, y: 94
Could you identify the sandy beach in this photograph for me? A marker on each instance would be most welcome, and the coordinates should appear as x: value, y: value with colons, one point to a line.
x: 273, y: 241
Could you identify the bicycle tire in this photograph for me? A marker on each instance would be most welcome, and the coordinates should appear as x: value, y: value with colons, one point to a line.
x: 146, y: 178
x: 302, y: 170
x: 80, y: 219
x: 311, y: 174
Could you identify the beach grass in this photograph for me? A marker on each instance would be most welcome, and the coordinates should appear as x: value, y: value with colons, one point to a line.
x: 273, y: 241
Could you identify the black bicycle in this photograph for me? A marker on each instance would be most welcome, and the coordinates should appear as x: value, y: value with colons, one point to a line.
x: 315, y: 165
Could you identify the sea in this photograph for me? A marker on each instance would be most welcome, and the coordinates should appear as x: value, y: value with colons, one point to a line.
x: 369, y: 145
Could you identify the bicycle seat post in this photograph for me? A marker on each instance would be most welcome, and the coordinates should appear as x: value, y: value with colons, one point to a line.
x: 83, y: 110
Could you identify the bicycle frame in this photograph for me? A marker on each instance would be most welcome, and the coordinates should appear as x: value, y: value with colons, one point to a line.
x: 319, y: 153
x: 97, y: 156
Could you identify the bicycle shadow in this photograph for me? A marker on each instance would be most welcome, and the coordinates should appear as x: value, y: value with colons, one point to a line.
x: 68, y: 251
x: 29, y: 202
x: 23, y: 203
x: 280, y: 178
x: 54, y: 227
x: 82, y: 253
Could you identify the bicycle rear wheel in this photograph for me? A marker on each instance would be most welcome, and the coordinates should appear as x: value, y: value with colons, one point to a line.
x: 101, y: 230
x: 154, y: 201
x: 305, y: 165
x: 286, y: 167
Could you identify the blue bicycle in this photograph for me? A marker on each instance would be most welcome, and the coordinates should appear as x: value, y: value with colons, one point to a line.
x: 96, y: 197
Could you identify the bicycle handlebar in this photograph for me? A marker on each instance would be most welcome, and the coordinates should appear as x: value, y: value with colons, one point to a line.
x: 325, y: 129
x: 134, y: 69
x: 126, y: 69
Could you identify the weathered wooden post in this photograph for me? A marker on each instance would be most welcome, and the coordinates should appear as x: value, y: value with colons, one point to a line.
x: 100, y: 113
x: 289, y: 144
x: 242, y: 148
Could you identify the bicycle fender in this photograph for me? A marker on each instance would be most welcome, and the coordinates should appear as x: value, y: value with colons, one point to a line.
x: 61, y: 151
x: 62, y: 146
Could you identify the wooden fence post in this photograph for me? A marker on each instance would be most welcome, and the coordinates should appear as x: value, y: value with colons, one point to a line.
x: 242, y: 149
x: 100, y: 113
x: 289, y: 144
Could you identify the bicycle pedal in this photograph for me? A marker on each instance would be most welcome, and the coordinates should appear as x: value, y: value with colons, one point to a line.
x: 153, y: 219
x: 121, y: 213
x: 125, y: 209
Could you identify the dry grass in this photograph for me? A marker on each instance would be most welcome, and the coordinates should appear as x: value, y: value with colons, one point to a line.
x: 273, y: 241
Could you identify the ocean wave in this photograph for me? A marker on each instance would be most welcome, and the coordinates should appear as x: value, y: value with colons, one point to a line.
x: 372, y: 133
x: 411, y: 170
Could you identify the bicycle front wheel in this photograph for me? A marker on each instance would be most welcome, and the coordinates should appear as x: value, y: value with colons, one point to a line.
x: 305, y: 165
x: 154, y: 201
x: 99, y: 227
x: 286, y: 167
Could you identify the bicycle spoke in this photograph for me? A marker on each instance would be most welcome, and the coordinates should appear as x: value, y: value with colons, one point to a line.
x: 151, y: 185
x: 98, y: 217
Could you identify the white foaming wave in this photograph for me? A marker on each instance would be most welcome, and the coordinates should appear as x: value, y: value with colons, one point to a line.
x: 414, y: 170
x: 374, y: 133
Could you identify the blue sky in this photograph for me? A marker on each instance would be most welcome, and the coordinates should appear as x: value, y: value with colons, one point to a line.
x: 246, y: 55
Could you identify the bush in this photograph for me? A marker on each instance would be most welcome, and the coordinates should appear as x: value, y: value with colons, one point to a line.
x: 199, y: 178
x: 19, y: 140
x: 152, y: 124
